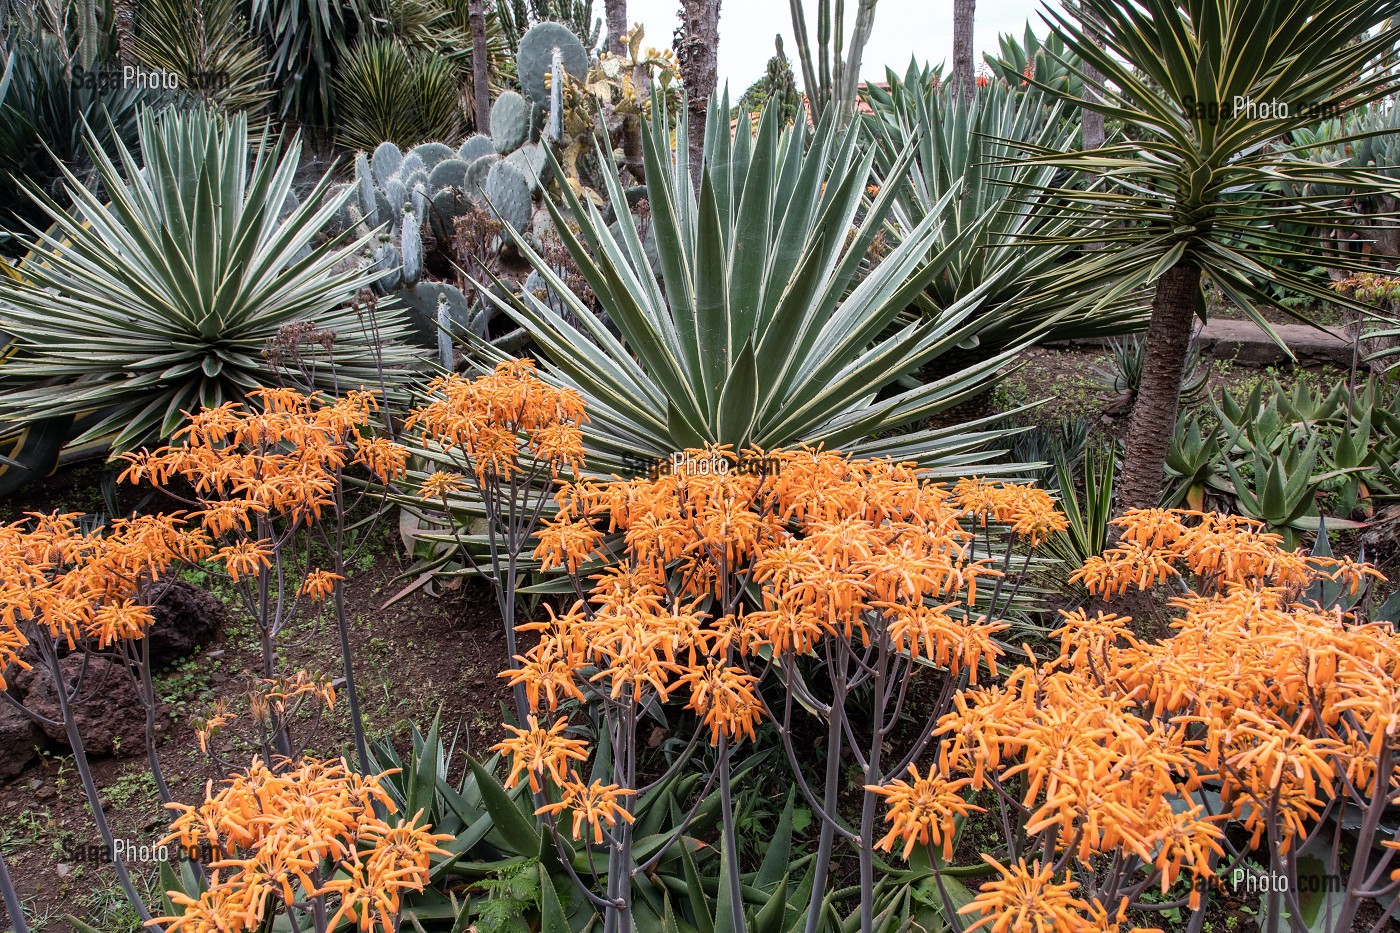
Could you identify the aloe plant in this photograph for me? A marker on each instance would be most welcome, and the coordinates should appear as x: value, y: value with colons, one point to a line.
x: 1195, y: 464
x: 163, y: 299
x: 756, y: 327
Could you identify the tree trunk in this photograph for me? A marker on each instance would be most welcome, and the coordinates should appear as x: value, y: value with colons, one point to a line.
x: 1159, y: 396
x: 481, y: 66
x: 617, y: 26
x: 124, y: 14
x: 1092, y: 134
x: 697, y: 47
x: 964, y: 68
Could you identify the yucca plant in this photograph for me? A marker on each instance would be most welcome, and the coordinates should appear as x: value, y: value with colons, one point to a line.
x: 387, y: 92
x: 163, y: 299
x: 46, y: 112
x: 208, y: 46
x: 755, y: 327
x: 1013, y: 259
x: 1194, y: 189
x: 307, y: 40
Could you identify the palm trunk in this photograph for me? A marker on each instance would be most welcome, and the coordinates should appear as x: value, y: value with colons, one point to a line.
x: 481, y: 65
x: 697, y: 47
x: 617, y: 26
x: 964, y: 69
x: 1154, y: 413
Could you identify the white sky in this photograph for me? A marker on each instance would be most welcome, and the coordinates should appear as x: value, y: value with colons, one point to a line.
x: 922, y: 28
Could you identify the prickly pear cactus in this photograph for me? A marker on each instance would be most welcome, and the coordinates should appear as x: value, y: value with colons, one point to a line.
x: 411, y: 250
x: 532, y: 162
x: 432, y: 154
x: 508, y: 194
x: 386, y: 162
x: 475, y: 147
x: 510, y: 122
x: 388, y: 264
x: 449, y: 173
x: 535, y: 60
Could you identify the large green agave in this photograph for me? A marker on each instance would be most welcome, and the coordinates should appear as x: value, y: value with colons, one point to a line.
x: 763, y: 321
x: 163, y: 299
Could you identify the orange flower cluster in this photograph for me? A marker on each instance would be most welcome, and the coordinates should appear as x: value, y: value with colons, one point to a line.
x: 82, y: 587
x: 307, y: 830
x: 1222, y: 551
x: 839, y: 548
x: 1027, y: 511
x: 278, y: 457
x: 498, y: 421
x: 1026, y: 898
x: 1275, y: 701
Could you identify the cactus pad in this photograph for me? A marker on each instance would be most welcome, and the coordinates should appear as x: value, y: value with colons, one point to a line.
x: 533, y: 163
x: 386, y: 162
x: 475, y: 147
x: 536, y: 58
x: 449, y: 173
x: 430, y: 154
x: 510, y: 122
x: 508, y: 193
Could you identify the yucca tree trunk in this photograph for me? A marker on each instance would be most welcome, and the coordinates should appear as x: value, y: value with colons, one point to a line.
x: 1159, y: 397
x: 697, y: 47
x: 617, y: 25
x: 964, y: 68
x: 1093, y: 133
x: 481, y: 65
x: 124, y: 24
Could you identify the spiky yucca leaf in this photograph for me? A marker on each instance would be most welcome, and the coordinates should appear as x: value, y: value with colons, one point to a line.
x: 1201, y: 181
x: 1031, y: 287
x: 162, y: 300
x: 386, y: 92
x: 207, y: 45
x: 757, y: 329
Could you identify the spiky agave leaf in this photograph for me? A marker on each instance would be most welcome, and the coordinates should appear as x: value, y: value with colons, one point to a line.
x: 162, y: 300
x: 759, y: 329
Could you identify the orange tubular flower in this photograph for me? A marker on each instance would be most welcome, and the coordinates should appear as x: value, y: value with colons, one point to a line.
x: 1026, y: 899
x: 726, y: 699
x: 245, y: 558
x: 923, y: 812
x: 277, y: 831
x: 596, y: 805
x: 535, y: 751
x: 319, y: 584
x: 441, y: 484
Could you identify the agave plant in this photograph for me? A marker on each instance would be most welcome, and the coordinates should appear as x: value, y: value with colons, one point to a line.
x: 1013, y: 256
x: 1195, y: 188
x: 163, y: 300
x: 1048, y: 61
x: 755, y: 327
